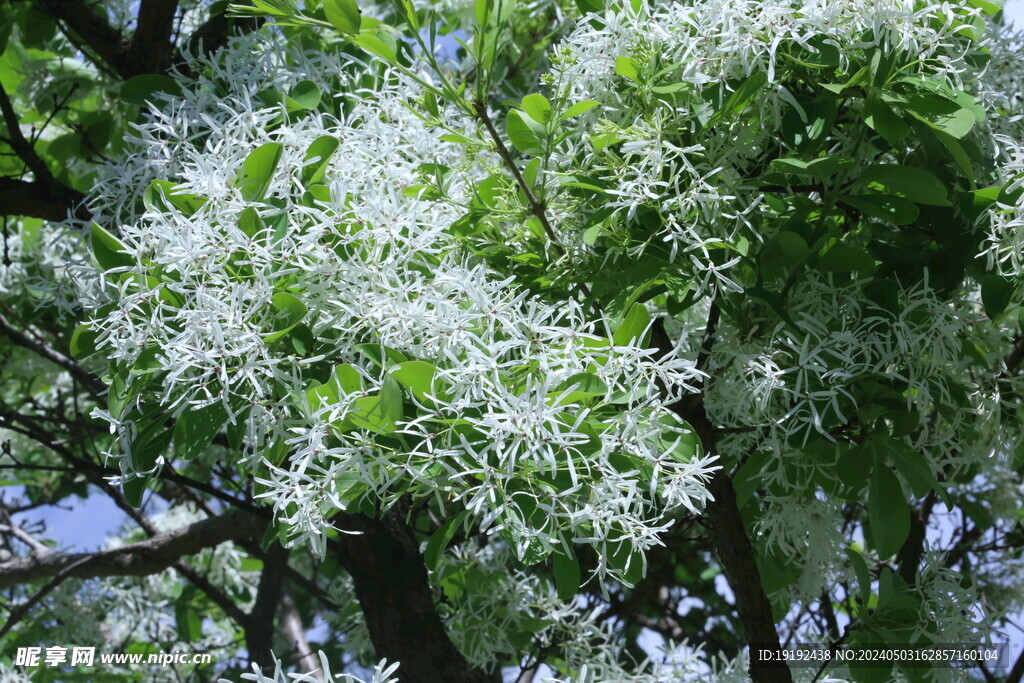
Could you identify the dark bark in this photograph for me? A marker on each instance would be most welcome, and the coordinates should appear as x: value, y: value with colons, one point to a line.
x: 394, y: 593
x: 37, y: 199
x: 95, y: 32
x: 259, y: 624
x: 729, y: 533
x: 909, y: 556
x: 151, y: 45
x: 90, y: 381
x: 737, y: 556
x: 135, y: 559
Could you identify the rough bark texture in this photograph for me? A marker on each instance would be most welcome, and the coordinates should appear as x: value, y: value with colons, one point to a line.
x: 391, y: 584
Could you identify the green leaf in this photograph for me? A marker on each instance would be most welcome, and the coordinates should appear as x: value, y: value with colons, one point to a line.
x: 321, y: 150
x: 250, y: 223
x: 189, y: 623
x: 320, y: 395
x: 138, y: 90
x: 860, y: 568
x: 567, y: 575
x: 288, y: 312
x: 123, y: 388
x: 996, y: 292
x: 888, y: 208
x: 538, y: 107
x: 578, y: 109
x: 907, y: 182
x: 585, y: 384
x: 161, y: 193
x: 631, y: 566
x: 740, y: 98
x: 348, y: 378
x: 83, y: 342
x: 959, y: 155
x: 376, y: 46
x: 195, y: 429
x: 379, y: 414
x: 344, y: 15
x: 941, y: 114
x: 440, y: 539
x: 521, y: 133
x: 885, y: 121
x: 134, y: 489
x: 151, y: 442
x: 258, y: 170
x: 416, y: 375
x: 381, y: 355
x: 822, y: 168
x: 627, y: 67
x: 989, y: 7
x: 792, y: 245
x: 109, y: 251
x: 887, y: 512
x: 633, y: 327
x: 842, y: 258
x: 304, y: 95
x: 911, y: 464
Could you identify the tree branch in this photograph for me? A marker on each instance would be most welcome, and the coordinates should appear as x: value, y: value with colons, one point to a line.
x: 106, y: 42
x: 90, y: 381
x: 151, y: 45
x: 259, y: 623
x: 536, y: 207
x: 136, y: 559
x: 295, y: 634
x: 19, y: 612
x: 732, y: 543
x: 44, y: 197
x: 391, y: 585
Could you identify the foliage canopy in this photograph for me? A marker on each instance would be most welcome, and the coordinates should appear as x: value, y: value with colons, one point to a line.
x: 517, y: 336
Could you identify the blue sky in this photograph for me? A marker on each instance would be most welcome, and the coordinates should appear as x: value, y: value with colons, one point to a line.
x: 1014, y: 11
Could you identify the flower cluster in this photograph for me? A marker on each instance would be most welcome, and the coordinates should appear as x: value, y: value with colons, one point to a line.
x: 408, y: 367
x: 658, y: 76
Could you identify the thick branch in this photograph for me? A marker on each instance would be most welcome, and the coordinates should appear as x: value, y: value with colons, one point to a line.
x: 44, y: 197
x: 737, y: 555
x: 295, y: 633
x: 106, y: 42
x: 37, y: 199
x: 19, y: 612
x: 732, y: 543
x: 136, y: 559
x: 392, y: 587
x: 21, y: 146
x: 259, y: 627
x: 216, y: 595
x: 151, y: 45
x: 909, y: 556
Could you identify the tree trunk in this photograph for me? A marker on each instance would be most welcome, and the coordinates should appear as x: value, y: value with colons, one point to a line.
x: 394, y: 593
